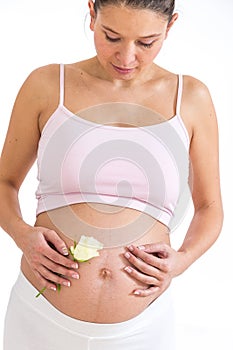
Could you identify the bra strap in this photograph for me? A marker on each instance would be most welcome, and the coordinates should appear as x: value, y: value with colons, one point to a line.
x: 62, y: 76
x: 179, y: 94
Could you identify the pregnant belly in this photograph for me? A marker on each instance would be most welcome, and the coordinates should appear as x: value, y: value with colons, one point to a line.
x: 104, y: 292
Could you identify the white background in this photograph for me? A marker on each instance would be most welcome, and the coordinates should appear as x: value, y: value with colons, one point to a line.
x: 35, y: 33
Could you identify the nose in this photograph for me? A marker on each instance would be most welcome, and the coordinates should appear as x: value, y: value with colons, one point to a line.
x: 126, y: 56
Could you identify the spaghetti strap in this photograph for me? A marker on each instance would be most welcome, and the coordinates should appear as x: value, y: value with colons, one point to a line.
x: 62, y: 78
x: 179, y: 94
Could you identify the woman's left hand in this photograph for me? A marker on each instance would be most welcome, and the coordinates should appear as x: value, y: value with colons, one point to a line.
x: 153, y: 265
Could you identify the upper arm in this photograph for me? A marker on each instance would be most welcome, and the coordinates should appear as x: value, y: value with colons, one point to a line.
x: 20, y: 147
x: 204, y: 148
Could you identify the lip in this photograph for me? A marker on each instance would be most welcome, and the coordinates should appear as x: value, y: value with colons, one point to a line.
x: 123, y: 70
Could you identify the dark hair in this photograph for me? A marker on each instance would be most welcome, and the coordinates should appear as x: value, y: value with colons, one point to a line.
x: 162, y: 7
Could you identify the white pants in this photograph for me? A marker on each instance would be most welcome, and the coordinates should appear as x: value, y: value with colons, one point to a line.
x: 34, y: 324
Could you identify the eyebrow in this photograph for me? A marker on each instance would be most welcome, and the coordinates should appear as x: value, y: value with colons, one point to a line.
x: 142, y: 37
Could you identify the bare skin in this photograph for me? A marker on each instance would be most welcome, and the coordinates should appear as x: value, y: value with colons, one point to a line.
x: 103, y: 282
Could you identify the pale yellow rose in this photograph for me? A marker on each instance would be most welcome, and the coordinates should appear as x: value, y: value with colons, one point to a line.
x: 86, y: 249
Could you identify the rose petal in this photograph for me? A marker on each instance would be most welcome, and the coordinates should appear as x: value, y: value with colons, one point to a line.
x: 86, y: 249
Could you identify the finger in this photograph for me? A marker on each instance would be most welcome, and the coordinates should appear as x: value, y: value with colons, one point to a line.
x: 151, y: 258
x: 146, y: 262
x: 52, y: 237
x: 59, y: 269
x: 146, y: 292
x: 161, y: 249
x: 145, y: 267
x: 142, y: 277
x: 52, y: 277
x: 45, y: 283
x: 56, y: 257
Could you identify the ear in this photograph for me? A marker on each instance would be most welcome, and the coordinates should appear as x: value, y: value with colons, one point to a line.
x: 92, y: 13
x: 170, y: 24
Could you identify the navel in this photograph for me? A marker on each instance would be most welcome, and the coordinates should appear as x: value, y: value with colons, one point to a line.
x: 105, y: 273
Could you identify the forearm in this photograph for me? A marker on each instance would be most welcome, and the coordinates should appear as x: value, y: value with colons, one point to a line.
x: 203, y: 231
x: 10, y: 214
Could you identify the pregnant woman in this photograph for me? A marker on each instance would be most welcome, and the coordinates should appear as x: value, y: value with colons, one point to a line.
x: 120, y: 144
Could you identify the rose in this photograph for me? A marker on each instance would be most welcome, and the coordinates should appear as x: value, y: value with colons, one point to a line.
x: 86, y: 249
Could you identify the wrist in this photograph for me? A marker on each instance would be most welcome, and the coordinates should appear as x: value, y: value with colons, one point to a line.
x: 184, y: 261
x: 19, y: 232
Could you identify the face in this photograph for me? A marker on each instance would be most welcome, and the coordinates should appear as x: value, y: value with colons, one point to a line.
x: 127, y: 40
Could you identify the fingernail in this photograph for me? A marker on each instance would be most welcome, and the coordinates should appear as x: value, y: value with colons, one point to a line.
x: 136, y: 292
x: 130, y: 248
x: 75, y: 266
x: 127, y: 255
x: 65, y: 251
x: 53, y: 288
x: 141, y: 247
x: 76, y: 276
x: 128, y: 269
x: 66, y: 283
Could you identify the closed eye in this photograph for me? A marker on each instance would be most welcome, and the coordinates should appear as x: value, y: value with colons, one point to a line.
x: 113, y: 40
x: 148, y: 46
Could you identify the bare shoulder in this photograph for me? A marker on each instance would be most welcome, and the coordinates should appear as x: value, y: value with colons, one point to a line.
x: 197, y: 105
x: 42, y: 80
x: 45, y: 72
x: 195, y: 92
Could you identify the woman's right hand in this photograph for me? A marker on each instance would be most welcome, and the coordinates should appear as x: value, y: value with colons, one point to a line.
x: 48, y: 257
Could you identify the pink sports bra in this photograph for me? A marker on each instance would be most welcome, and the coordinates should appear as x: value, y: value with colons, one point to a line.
x: 143, y: 168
